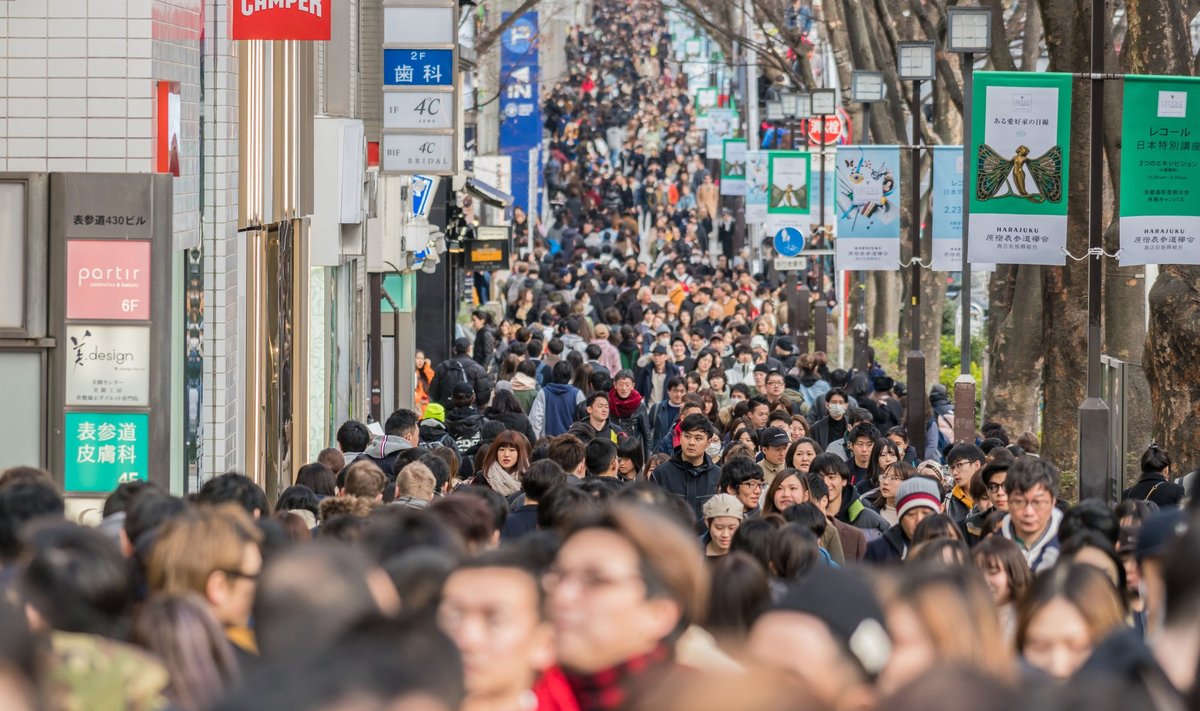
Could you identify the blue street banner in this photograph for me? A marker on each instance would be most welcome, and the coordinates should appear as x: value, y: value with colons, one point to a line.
x: 947, y: 208
x: 418, y: 67
x: 868, y: 208
x: 520, y: 108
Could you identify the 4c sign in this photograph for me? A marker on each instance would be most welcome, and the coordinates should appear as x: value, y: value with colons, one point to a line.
x: 282, y: 19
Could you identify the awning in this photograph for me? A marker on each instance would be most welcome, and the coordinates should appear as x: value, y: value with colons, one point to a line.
x: 490, y: 195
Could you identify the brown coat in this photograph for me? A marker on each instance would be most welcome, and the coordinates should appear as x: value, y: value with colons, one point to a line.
x: 707, y: 198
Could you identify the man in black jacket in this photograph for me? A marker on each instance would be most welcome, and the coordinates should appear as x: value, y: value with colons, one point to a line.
x: 690, y: 473
x: 459, y: 368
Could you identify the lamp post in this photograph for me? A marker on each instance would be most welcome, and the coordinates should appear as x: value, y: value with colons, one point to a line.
x: 866, y: 87
x: 969, y: 31
x: 915, y: 62
x: 796, y: 107
x: 824, y: 105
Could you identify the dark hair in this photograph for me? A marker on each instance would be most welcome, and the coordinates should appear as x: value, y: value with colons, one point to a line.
x: 470, y: 516
x: 149, y: 512
x: 826, y: 463
x: 936, y: 526
x: 863, y: 429
x: 964, y: 451
x: 697, y: 422
x: 1007, y: 555
x: 992, y: 468
x: 511, y: 439
x: 1091, y: 515
x: 123, y: 495
x: 753, y: 537
x: 674, y: 382
x: 990, y: 444
x: 504, y: 401
x: 561, y: 373
x: 817, y: 488
x: 540, y: 478
x: 19, y: 504
x: 400, y: 423
x: 237, y: 489
x: 297, y: 497
x: 353, y: 436
x: 319, y: 478
x: 835, y: 392
x: 1091, y: 538
x: 794, y: 551
x: 567, y: 451
x: 599, y: 456
x: 631, y: 448
x: 808, y: 515
x: 591, y: 399
x: 1181, y: 576
x: 882, y: 444
x: 494, y: 499
x: 1027, y: 473
x: 1155, y: 459
x: 740, y: 591
x: 564, y: 506
x: 394, y: 530
x: 77, y: 580
x: 737, y: 471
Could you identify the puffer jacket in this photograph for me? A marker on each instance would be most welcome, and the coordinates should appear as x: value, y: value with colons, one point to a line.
x: 695, y: 483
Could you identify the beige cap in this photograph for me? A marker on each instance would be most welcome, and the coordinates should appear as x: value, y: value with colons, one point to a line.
x: 723, y: 505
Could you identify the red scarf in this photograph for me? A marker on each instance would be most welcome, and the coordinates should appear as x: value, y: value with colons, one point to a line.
x: 608, y: 690
x: 624, y: 408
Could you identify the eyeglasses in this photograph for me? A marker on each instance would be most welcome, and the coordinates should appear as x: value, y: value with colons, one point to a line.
x: 963, y: 463
x: 754, y: 485
x: 994, y: 488
x: 588, y: 580
x: 1018, y: 503
x: 891, y: 478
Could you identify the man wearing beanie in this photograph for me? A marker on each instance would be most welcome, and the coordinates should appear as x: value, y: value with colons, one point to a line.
x: 916, y: 498
x: 828, y: 630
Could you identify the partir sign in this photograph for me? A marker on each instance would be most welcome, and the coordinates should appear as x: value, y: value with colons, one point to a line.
x: 282, y: 19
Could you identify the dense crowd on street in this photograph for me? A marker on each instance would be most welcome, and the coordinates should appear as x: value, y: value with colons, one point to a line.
x: 628, y: 488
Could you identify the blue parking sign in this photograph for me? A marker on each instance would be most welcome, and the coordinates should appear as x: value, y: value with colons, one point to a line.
x: 418, y: 67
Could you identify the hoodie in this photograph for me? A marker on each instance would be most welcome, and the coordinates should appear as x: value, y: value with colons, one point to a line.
x: 383, y: 450
x: 1041, y: 554
x: 465, y: 425
x: 554, y: 409
x: 525, y: 389
x: 434, y: 434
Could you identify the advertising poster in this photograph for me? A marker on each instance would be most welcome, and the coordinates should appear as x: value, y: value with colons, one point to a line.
x: 520, y: 107
x: 1160, y: 157
x: 733, y: 167
x: 1021, y: 138
x: 868, y: 208
x: 756, y: 187
x: 722, y: 124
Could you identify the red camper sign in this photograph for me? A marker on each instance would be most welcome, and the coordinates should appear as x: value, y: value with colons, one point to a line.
x: 282, y: 19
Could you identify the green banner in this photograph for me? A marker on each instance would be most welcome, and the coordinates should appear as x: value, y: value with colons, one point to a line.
x: 104, y: 449
x: 788, y: 180
x: 1160, y: 160
x: 1020, y: 143
x: 733, y: 166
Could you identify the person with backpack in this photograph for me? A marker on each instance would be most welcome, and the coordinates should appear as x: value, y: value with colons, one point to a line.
x: 553, y: 409
x: 939, y: 432
x: 460, y: 368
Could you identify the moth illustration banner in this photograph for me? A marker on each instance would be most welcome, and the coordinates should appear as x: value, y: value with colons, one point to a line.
x: 868, y: 208
x: 1160, y: 159
x: 1020, y: 141
x: 788, y: 182
x: 733, y: 167
x: 756, y: 186
x: 722, y: 124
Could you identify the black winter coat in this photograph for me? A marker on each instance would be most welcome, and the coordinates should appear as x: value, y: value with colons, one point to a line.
x: 442, y: 385
x: 696, y: 484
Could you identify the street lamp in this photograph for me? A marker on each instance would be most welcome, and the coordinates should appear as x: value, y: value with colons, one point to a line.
x: 916, y: 62
x: 969, y: 31
x: 823, y: 105
x: 866, y: 87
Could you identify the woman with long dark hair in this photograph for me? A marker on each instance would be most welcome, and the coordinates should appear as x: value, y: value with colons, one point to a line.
x: 506, y: 408
x: 504, y: 463
x: 182, y: 632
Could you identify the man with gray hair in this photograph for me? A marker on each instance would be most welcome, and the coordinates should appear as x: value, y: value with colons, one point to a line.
x: 414, y: 486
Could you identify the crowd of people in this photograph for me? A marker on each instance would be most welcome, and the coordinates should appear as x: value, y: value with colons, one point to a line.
x: 629, y: 490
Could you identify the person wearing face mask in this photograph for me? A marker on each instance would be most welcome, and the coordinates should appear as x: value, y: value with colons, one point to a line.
x: 833, y: 427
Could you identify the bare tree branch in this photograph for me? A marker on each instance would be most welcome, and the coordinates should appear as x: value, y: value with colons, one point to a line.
x: 484, y: 43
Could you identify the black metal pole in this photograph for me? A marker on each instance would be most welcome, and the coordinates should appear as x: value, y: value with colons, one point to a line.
x: 964, y: 385
x: 375, y: 346
x: 860, y: 327
x: 1096, y: 480
x: 915, y: 421
x: 821, y: 315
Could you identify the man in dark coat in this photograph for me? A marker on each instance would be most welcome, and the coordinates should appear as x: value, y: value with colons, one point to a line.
x: 460, y: 368
x: 690, y: 473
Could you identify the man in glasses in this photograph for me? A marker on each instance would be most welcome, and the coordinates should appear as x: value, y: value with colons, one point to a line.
x: 742, y: 478
x: 963, y: 461
x: 1032, y: 522
x: 619, y: 594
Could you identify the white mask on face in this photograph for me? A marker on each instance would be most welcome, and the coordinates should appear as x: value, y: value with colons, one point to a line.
x: 714, y: 449
x: 837, y: 409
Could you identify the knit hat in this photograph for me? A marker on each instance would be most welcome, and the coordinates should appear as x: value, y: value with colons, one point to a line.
x: 843, y: 600
x: 724, y: 505
x: 434, y: 411
x: 915, y: 492
x: 758, y: 342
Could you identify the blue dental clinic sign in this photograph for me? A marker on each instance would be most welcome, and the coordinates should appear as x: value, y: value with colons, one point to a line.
x: 418, y: 67
x: 520, y: 106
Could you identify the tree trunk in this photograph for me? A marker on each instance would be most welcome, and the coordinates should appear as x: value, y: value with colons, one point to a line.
x: 1016, y: 350
x: 1157, y: 43
x: 885, y: 303
x: 1031, y: 45
x: 1064, y: 318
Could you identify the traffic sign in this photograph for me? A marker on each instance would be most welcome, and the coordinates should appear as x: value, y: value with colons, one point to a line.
x: 789, y: 264
x: 836, y: 127
x: 418, y: 67
x: 789, y: 242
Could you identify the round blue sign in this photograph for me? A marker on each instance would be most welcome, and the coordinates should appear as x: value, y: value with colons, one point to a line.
x: 789, y: 242
x: 519, y: 37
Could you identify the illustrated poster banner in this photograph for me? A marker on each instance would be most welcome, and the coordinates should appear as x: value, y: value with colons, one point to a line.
x: 1160, y: 158
x: 733, y: 167
x: 1020, y: 142
x: 756, y: 187
x: 722, y: 124
x: 868, y: 208
x: 788, y: 180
